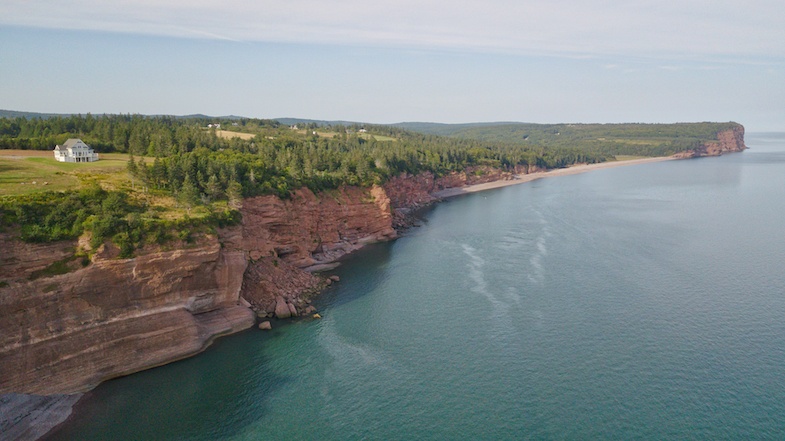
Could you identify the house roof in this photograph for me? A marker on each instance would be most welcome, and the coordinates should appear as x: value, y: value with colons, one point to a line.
x: 71, y: 142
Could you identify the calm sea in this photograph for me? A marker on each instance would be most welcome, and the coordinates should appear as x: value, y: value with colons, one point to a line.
x: 642, y: 302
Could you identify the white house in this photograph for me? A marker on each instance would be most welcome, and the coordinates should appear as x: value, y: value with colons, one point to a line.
x: 75, y: 150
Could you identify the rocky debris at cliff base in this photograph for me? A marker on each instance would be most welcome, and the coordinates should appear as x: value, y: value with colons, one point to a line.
x: 264, y: 281
x: 334, y: 278
x: 265, y: 325
x: 282, y: 308
x: 292, y: 310
x: 310, y: 309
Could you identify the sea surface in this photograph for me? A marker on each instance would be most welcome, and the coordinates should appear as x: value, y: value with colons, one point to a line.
x: 641, y: 302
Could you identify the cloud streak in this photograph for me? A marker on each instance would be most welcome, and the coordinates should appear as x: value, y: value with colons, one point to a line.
x: 656, y: 29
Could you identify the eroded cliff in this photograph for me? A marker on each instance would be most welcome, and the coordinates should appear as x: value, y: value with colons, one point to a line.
x: 67, y: 333
x: 284, y: 238
x: 727, y: 141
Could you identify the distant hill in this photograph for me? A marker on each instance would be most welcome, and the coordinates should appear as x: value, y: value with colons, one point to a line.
x: 318, y: 122
x: 32, y: 115
x: 28, y: 115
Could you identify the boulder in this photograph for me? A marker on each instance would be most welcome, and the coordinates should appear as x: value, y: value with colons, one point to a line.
x: 335, y: 278
x: 265, y: 325
x: 292, y: 310
x: 282, y: 308
x: 309, y: 309
x: 317, y: 316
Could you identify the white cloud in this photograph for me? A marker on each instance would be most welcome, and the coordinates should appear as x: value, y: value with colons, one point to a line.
x: 666, y: 28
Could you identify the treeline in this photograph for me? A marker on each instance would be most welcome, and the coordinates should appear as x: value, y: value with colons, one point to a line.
x: 280, y: 165
x: 193, y: 163
x: 136, y: 134
x: 184, y: 158
x: 607, y: 139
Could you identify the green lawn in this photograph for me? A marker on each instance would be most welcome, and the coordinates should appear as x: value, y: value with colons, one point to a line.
x: 23, y: 172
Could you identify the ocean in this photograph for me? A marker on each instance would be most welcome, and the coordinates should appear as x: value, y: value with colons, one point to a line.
x: 640, y: 302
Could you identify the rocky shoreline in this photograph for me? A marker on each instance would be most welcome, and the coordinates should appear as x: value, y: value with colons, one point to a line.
x: 65, y: 334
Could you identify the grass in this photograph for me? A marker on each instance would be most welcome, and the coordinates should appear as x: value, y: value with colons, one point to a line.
x: 380, y: 138
x: 228, y: 134
x: 26, y: 172
x: 63, y: 266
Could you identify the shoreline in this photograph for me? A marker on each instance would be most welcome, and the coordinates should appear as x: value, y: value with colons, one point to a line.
x: 520, y: 179
x: 46, y: 423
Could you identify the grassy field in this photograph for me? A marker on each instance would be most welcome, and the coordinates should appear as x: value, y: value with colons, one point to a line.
x: 31, y: 171
x: 228, y: 134
x: 28, y: 171
x: 380, y: 138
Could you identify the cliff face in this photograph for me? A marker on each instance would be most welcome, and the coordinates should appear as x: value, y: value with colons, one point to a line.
x: 67, y: 333
x: 407, y: 192
x: 728, y: 141
x: 283, y: 237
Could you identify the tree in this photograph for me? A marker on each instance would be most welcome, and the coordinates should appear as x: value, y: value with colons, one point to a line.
x: 213, y: 188
x: 235, y: 194
x: 188, y: 194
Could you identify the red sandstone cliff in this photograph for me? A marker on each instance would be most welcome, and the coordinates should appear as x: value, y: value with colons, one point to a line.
x: 284, y: 237
x: 407, y: 192
x: 69, y: 332
x: 728, y: 141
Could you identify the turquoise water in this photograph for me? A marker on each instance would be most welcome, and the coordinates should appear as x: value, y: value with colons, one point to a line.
x: 641, y: 302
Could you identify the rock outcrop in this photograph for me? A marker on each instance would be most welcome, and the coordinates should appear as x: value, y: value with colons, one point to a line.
x: 408, y: 192
x: 66, y: 333
x: 29, y: 417
x: 69, y: 332
x: 731, y: 140
x: 286, y: 239
x: 309, y: 230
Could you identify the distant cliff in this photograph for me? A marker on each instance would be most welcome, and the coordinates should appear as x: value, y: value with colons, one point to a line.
x: 727, y: 141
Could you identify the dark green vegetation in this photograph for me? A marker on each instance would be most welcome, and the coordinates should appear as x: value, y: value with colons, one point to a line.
x: 605, y: 139
x: 278, y: 159
x: 182, y: 159
x: 108, y: 215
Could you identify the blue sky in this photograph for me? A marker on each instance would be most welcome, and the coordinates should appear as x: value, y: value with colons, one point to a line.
x: 385, y: 61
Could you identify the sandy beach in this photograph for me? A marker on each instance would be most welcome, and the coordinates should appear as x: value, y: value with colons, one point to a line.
x: 520, y: 179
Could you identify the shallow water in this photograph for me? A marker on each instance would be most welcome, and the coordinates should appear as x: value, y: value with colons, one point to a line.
x: 641, y: 302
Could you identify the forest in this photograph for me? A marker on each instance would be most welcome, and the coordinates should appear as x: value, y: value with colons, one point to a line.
x: 277, y: 159
x: 199, y: 162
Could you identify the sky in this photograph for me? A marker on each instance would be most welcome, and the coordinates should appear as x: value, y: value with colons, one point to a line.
x: 458, y: 61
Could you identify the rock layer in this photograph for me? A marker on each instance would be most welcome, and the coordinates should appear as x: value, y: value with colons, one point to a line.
x: 67, y: 333
x: 728, y: 141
